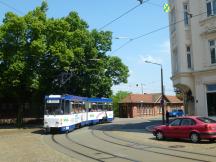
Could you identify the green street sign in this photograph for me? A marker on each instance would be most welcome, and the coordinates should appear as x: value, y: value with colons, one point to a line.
x: 166, y: 7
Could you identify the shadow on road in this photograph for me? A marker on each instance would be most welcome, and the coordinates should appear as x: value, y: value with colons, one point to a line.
x: 40, y: 132
x: 127, y: 127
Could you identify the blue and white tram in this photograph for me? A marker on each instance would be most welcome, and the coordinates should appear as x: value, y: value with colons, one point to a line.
x: 64, y: 113
x: 67, y: 112
x: 100, y: 110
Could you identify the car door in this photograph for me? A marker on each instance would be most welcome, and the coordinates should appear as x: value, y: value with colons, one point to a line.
x: 172, y: 130
x: 186, y: 126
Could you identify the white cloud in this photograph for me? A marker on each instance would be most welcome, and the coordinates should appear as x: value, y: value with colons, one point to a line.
x: 150, y: 58
x: 156, y: 55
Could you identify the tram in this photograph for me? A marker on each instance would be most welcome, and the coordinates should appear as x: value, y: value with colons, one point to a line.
x: 64, y: 113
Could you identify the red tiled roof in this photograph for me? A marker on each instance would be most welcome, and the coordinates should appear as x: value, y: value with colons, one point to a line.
x: 148, y: 98
x: 134, y: 98
x: 173, y: 99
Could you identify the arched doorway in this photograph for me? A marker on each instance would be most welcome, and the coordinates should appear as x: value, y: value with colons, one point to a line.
x: 188, y: 98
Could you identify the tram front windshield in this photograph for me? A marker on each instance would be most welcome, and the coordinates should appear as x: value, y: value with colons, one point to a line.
x: 53, y: 108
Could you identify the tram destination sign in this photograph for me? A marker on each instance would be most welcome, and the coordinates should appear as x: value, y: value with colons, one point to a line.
x: 53, y: 101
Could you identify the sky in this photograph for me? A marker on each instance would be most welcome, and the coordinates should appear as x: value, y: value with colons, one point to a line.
x: 147, y: 17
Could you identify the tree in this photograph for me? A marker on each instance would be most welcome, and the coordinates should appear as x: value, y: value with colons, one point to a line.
x: 117, y: 98
x: 35, y: 52
x: 179, y: 94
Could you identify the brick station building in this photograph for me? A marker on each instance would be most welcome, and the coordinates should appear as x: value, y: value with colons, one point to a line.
x: 141, y: 105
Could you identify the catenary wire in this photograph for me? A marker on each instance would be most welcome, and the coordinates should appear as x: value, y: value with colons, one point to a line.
x: 152, y: 32
x: 125, y: 13
x: 11, y: 7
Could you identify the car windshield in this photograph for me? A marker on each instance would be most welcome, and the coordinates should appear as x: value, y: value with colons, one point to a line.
x: 206, y: 120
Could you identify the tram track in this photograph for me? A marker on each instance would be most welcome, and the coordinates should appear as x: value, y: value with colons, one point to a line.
x: 93, y: 151
x: 70, y: 145
x: 101, y: 151
x: 153, y: 149
x: 135, y: 143
x: 73, y: 150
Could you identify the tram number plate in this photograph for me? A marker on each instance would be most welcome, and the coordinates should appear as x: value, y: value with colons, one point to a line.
x: 67, y: 128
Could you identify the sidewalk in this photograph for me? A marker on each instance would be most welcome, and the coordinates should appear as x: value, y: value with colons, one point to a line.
x: 26, y: 145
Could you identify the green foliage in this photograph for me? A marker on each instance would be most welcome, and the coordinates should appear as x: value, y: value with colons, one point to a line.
x: 117, y: 70
x: 117, y: 98
x: 35, y: 51
x: 180, y: 96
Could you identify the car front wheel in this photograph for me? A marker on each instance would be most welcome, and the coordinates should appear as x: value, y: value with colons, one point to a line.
x: 194, y: 137
x: 159, y: 135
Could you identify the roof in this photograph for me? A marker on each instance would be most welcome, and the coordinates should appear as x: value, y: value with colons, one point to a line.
x: 134, y: 98
x: 74, y: 98
x: 77, y: 98
x: 148, y: 98
x: 99, y: 99
x: 173, y: 99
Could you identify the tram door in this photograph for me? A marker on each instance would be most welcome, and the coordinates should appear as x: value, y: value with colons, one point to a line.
x: 67, y: 107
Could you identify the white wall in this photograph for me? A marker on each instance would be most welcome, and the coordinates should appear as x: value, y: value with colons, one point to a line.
x: 201, y: 30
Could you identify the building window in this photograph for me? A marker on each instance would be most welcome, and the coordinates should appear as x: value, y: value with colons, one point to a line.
x: 173, y: 21
x: 175, y: 61
x: 186, y: 15
x: 211, y: 88
x: 160, y: 110
x: 188, y: 49
x: 212, y: 51
x: 211, y: 7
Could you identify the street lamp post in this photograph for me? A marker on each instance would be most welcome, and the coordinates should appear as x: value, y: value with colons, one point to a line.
x: 162, y: 89
x: 141, y: 86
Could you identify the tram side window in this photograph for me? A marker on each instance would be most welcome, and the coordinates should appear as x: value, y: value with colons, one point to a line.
x: 100, y: 107
x: 104, y: 107
x: 74, y: 108
x: 109, y: 107
x: 83, y: 109
x: 93, y: 107
x: 78, y: 107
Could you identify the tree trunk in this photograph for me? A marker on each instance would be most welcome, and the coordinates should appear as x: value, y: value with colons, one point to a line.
x: 19, y: 120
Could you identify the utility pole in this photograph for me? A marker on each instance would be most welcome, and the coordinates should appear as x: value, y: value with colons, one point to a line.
x: 162, y: 89
x: 141, y: 86
x: 162, y: 95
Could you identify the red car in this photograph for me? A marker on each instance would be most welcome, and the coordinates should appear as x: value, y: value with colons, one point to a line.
x: 194, y: 128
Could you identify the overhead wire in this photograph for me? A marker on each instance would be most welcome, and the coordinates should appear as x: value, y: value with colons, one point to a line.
x: 125, y: 13
x: 153, y: 31
x: 11, y: 7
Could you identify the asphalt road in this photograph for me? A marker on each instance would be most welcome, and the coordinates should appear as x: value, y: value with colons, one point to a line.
x: 127, y: 140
